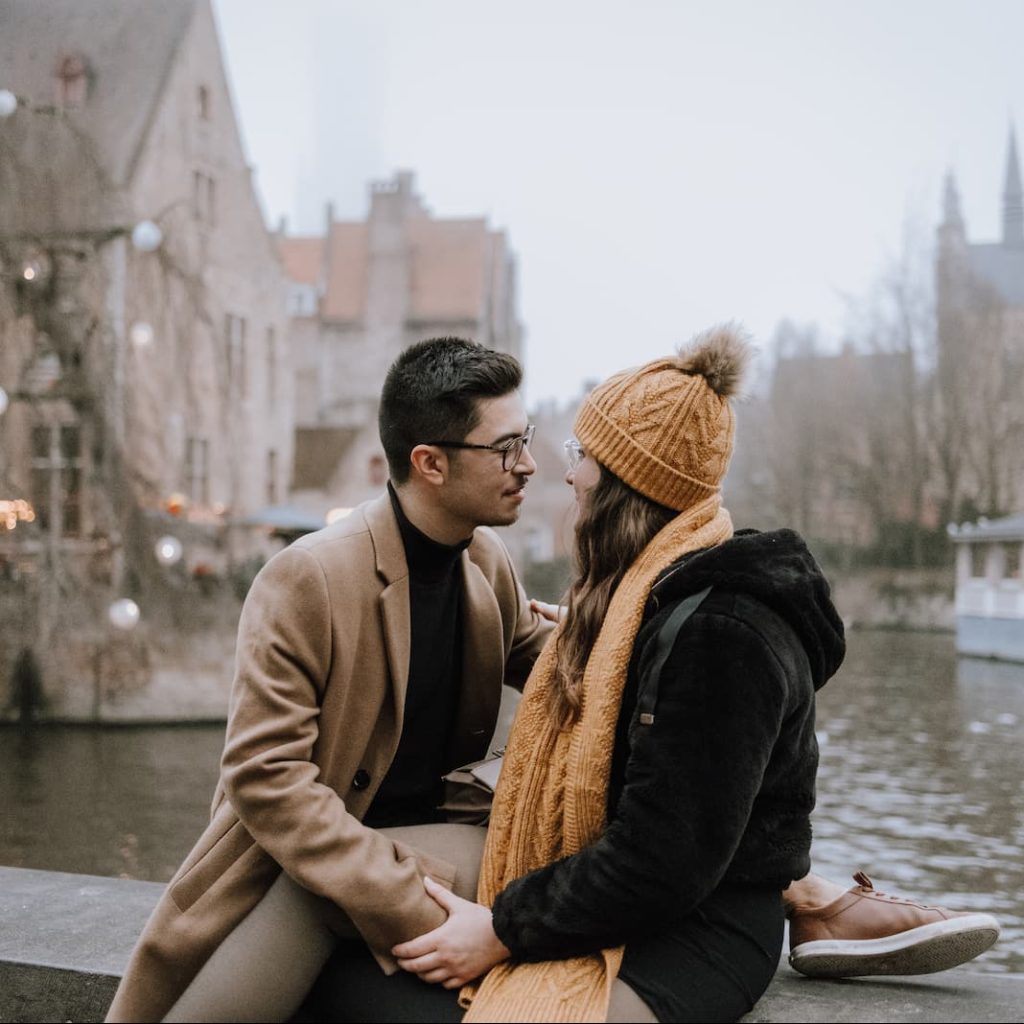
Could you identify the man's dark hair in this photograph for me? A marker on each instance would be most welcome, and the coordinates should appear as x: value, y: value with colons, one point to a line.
x: 431, y: 394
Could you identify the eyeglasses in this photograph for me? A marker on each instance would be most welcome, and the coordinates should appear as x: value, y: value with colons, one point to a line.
x: 511, y: 451
x: 573, y: 452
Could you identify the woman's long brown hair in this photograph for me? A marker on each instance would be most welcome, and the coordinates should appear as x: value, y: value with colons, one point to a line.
x: 614, y: 526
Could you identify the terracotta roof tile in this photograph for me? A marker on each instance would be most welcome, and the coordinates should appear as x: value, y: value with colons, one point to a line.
x: 347, y: 257
x: 128, y: 46
x: 450, y: 268
x: 302, y: 258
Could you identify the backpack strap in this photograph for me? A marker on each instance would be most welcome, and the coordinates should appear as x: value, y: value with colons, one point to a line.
x: 665, y: 640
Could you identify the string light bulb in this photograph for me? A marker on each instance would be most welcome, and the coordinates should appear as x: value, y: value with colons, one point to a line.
x: 147, y: 236
x: 141, y: 334
x: 124, y: 614
x: 168, y: 550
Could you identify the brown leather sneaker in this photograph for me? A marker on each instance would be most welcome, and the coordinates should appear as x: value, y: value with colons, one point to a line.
x: 865, y: 932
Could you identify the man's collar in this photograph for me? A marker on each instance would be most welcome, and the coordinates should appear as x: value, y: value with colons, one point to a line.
x: 428, y: 560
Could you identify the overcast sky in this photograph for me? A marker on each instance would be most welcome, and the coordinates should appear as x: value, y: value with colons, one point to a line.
x: 659, y: 166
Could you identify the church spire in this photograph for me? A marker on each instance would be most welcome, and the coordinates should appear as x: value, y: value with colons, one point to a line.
x: 951, y: 215
x: 1013, y: 196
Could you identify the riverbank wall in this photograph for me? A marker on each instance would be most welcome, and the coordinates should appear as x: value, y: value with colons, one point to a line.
x: 65, y: 940
x: 181, y: 672
x: 917, y: 599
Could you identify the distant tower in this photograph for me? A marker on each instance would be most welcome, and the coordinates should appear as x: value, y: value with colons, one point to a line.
x: 951, y: 252
x: 951, y: 215
x: 951, y: 229
x: 1013, y: 196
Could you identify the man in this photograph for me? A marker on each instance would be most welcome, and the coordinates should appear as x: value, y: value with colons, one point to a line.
x: 358, y: 682
x: 370, y: 660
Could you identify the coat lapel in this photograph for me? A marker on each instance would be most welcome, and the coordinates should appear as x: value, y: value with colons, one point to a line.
x: 394, y: 598
x: 483, y: 659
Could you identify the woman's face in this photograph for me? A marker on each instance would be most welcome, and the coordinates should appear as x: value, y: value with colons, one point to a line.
x: 584, y: 477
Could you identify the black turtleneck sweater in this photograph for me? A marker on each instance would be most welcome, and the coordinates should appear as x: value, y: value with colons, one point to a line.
x: 412, y: 789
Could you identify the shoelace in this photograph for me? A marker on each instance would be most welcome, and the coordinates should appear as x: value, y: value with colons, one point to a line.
x: 865, y: 883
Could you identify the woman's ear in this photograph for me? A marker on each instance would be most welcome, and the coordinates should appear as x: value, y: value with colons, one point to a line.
x: 430, y: 464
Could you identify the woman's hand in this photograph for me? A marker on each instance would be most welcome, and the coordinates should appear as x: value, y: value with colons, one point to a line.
x: 461, y: 949
x: 551, y: 612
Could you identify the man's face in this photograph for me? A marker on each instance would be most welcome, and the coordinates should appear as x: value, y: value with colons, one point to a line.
x: 478, y: 492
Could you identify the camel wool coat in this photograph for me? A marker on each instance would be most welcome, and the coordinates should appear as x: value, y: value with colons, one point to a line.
x: 314, y: 722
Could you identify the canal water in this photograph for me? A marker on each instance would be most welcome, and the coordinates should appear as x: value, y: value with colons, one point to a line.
x: 920, y: 785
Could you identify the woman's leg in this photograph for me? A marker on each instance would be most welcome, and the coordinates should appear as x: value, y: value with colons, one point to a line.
x: 626, y: 1007
x: 715, y: 964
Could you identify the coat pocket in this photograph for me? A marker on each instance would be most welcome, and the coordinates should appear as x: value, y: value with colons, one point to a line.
x: 220, y: 846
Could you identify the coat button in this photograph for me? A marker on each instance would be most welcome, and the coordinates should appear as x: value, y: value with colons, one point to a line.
x: 361, y: 780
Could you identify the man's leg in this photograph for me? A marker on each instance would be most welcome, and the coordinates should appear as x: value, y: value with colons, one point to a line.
x: 848, y: 933
x: 264, y: 969
x: 461, y: 845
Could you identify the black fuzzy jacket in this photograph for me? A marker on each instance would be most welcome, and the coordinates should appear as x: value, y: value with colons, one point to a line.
x: 719, y: 789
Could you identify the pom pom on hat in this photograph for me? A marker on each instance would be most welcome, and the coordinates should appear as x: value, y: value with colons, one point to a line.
x: 667, y: 428
x: 721, y: 356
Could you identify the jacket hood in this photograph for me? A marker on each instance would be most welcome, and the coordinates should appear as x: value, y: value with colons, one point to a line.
x: 777, y: 569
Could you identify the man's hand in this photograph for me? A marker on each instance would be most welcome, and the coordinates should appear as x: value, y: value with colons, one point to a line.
x: 461, y: 949
x: 551, y: 612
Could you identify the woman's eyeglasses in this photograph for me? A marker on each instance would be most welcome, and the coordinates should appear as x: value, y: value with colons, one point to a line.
x: 573, y: 452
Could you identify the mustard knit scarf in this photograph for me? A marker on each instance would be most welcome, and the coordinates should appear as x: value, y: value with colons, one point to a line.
x: 552, y: 795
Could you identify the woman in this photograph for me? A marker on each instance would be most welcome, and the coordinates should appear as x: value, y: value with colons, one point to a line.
x: 656, y: 791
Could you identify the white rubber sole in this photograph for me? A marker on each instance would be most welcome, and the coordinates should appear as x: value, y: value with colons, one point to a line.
x: 924, y: 950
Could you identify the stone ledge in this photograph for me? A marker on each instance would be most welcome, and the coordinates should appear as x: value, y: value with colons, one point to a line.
x: 65, y: 939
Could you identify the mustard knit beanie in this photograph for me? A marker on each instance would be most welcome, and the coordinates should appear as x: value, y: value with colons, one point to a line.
x: 667, y: 428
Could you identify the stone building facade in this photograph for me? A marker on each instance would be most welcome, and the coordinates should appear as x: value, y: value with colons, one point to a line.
x: 147, y: 366
x: 361, y: 293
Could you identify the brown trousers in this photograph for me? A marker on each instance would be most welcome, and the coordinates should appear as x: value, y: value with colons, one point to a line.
x: 264, y: 969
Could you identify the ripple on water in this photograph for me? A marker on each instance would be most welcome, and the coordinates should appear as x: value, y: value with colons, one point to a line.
x: 921, y: 786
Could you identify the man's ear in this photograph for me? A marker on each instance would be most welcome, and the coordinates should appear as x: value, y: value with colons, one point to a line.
x: 430, y: 464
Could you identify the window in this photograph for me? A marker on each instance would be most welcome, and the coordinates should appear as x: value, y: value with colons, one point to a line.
x: 378, y: 474
x: 197, y: 470
x: 271, y: 368
x: 234, y: 348
x: 204, y: 198
x: 57, y: 478
x: 71, y: 82
x: 271, y: 477
x: 979, y: 560
x: 1012, y: 561
x: 302, y: 300
x: 203, y: 103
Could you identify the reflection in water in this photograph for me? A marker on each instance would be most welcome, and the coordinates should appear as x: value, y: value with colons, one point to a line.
x: 127, y: 802
x: 920, y: 785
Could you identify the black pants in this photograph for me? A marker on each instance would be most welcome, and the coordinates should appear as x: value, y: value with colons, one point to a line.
x: 716, y: 964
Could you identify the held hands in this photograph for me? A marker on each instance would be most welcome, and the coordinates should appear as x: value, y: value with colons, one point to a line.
x: 551, y: 612
x: 461, y: 949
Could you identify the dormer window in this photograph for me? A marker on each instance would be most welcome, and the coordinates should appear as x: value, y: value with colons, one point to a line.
x: 203, y: 103
x: 71, y: 81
